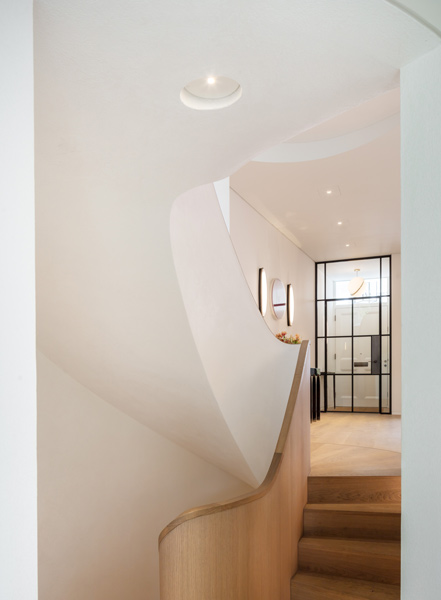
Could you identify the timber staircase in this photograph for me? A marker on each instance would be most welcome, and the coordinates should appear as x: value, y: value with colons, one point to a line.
x: 350, y: 549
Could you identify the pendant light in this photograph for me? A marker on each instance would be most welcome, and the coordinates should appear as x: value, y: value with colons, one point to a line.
x: 357, y: 285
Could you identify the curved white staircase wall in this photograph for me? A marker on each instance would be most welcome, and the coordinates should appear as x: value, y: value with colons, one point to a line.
x: 249, y: 370
x: 107, y: 486
x: 120, y: 323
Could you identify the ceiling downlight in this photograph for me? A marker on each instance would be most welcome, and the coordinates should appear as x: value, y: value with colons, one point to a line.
x: 211, y: 93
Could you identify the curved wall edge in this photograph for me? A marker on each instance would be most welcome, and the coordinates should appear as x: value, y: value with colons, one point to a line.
x: 249, y: 370
x: 309, y: 151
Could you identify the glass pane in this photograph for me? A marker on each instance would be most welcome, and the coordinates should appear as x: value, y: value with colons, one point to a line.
x: 339, y: 355
x: 320, y: 319
x: 340, y: 274
x: 385, y: 354
x: 339, y: 317
x: 322, y: 393
x: 366, y: 393
x: 385, y: 393
x: 385, y: 315
x: 341, y: 400
x: 366, y: 317
x: 385, y: 276
x: 330, y: 381
x: 320, y: 281
x: 321, y: 355
x: 362, y: 355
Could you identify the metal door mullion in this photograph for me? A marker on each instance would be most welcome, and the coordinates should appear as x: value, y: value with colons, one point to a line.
x: 380, y: 311
x: 325, y: 390
x: 348, y: 335
x: 390, y: 335
x: 352, y: 356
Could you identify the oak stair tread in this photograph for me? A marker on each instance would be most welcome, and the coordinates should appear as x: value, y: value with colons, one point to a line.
x: 313, y: 586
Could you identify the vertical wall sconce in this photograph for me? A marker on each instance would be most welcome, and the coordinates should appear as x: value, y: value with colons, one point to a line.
x: 263, y: 292
x: 290, y: 311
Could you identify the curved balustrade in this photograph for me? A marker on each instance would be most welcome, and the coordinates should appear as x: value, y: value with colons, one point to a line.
x: 246, y: 549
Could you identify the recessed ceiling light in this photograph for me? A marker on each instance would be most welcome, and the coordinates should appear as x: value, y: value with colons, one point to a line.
x: 328, y: 191
x: 340, y: 223
x: 347, y: 245
x: 210, y: 93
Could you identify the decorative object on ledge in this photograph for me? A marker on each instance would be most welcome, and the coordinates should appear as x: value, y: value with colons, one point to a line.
x: 357, y: 285
x: 263, y: 292
x: 290, y: 311
x: 278, y: 298
x: 289, y: 340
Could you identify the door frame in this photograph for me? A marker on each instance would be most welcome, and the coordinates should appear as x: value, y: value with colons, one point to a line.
x: 325, y: 336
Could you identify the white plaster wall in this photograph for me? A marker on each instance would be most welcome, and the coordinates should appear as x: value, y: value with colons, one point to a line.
x: 250, y: 372
x: 421, y: 287
x: 107, y: 486
x: 259, y: 244
x: 18, y: 483
x: 222, y: 188
x: 396, y: 334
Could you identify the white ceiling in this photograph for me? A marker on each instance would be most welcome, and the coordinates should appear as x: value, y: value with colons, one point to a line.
x: 365, y: 185
x: 115, y: 147
x: 373, y: 111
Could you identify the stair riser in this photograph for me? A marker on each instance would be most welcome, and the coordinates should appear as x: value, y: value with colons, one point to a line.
x: 384, y: 569
x: 346, y: 490
x: 330, y: 523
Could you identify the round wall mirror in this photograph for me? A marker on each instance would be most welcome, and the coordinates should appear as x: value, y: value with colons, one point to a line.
x: 278, y: 298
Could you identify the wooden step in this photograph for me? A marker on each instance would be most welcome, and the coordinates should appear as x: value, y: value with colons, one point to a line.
x: 360, y: 559
x: 311, y: 586
x: 352, y: 489
x: 362, y: 521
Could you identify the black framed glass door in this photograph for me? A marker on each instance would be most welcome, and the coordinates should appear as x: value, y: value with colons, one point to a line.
x: 353, y: 334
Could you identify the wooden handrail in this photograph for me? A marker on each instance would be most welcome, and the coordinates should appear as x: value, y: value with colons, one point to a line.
x: 209, y: 552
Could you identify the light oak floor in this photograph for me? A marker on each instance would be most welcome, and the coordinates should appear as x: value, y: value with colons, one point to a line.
x: 356, y: 444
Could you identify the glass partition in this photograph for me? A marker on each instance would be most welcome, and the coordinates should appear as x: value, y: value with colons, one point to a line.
x: 385, y: 394
x: 339, y: 317
x: 367, y: 393
x: 339, y: 355
x: 321, y: 355
x: 339, y: 393
x: 320, y: 319
x: 340, y: 274
x: 366, y: 316
x: 385, y: 316
x: 385, y: 276
x: 353, y: 350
